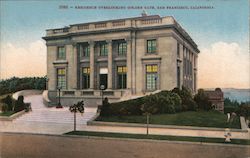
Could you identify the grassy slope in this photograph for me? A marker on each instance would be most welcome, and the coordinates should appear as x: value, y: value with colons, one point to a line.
x: 190, y: 118
x: 158, y: 137
x: 8, y: 113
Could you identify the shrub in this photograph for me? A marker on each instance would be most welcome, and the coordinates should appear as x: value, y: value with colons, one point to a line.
x: 105, y: 109
x: 228, y: 102
x: 9, y: 102
x: 202, y: 100
x: 4, y: 107
x: 189, y: 105
x: 151, y: 104
x: 27, y: 107
x: 230, y: 109
x: 187, y: 102
x: 132, y: 107
x: 244, y: 110
x: 177, y: 101
x: 163, y: 102
x: 19, y: 104
x: 166, y: 103
x: 123, y: 112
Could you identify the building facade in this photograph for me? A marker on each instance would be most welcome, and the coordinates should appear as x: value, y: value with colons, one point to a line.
x: 128, y: 56
x: 216, y: 98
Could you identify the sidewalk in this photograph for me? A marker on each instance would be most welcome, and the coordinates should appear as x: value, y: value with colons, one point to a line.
x: 57, y: 128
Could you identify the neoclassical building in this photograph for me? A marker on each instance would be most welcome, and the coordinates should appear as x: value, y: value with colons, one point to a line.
x: 130, y: 56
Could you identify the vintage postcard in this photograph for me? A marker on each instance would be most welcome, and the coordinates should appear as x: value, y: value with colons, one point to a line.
x: 131, y: 78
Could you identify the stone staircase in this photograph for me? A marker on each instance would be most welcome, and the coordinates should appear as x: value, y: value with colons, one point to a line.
x: 43, y: 114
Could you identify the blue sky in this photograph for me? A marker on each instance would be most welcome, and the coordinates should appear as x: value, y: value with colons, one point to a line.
x: 29, y: 19
x: 24, y: 22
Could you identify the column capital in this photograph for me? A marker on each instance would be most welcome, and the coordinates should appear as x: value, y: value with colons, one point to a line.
x: 128, y: 39
x: 74, y: 44
x: 92, y: 64
x: 109, y: 41
x: 91, y: 42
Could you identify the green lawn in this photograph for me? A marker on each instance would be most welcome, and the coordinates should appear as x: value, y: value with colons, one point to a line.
x: 190, y: 118
x: 158, y: 137
x: 7, y: 113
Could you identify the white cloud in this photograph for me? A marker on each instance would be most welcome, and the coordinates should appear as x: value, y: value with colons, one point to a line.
x: 224, y: 65
x: 220, y: 65
x: 23, y: 61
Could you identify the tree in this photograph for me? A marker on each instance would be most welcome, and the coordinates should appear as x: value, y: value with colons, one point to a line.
x: 147, y: 110
x: 151, y: 104
x: 228, y: 102
x: 202, y: 100
x: 78, y: 107
x: 187, y: 99
x: 244, y: 109
x: 16, y: 84
x: 231, y: 106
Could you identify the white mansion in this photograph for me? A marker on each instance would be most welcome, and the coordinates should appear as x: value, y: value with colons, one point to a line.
x: 130, y: 56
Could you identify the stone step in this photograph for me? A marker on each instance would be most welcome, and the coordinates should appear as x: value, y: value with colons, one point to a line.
x: 42, y: 114
x: 60, y: 116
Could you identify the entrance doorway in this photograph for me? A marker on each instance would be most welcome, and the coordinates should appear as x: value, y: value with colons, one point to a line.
x: 103, y: 77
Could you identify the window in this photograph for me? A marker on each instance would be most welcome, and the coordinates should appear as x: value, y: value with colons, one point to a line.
x: 85, y: 77
x: 61, y: 53
x: 151, y: 46
x: 194, y: 61
x: 61, y: 78
x: 185, y: 63
x: 152, y: 68
x: 190, y: 62
x: 122, y: 48
x: 178, y: 50
x: 178, y: 77
x: 151, y: 77
x: 84, y: 50
x: 195, y: 81
x: 103, y: 49
x: 122, y: 77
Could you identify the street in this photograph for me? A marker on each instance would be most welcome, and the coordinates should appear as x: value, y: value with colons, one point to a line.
x: 16, y: 145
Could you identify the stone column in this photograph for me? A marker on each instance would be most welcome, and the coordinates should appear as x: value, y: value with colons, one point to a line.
x: 133, y: 54
x: 191, y: 72
x: 92, y: 64
x: 71, y: 54
x: 195, y: 72
x: 76, y: 66
x: 181, y: 65
x: 110, y: 64
x: 51, y: 69
x: 129, y: 64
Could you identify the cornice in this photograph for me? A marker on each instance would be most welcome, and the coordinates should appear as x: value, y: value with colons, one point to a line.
x: 174, y: 27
